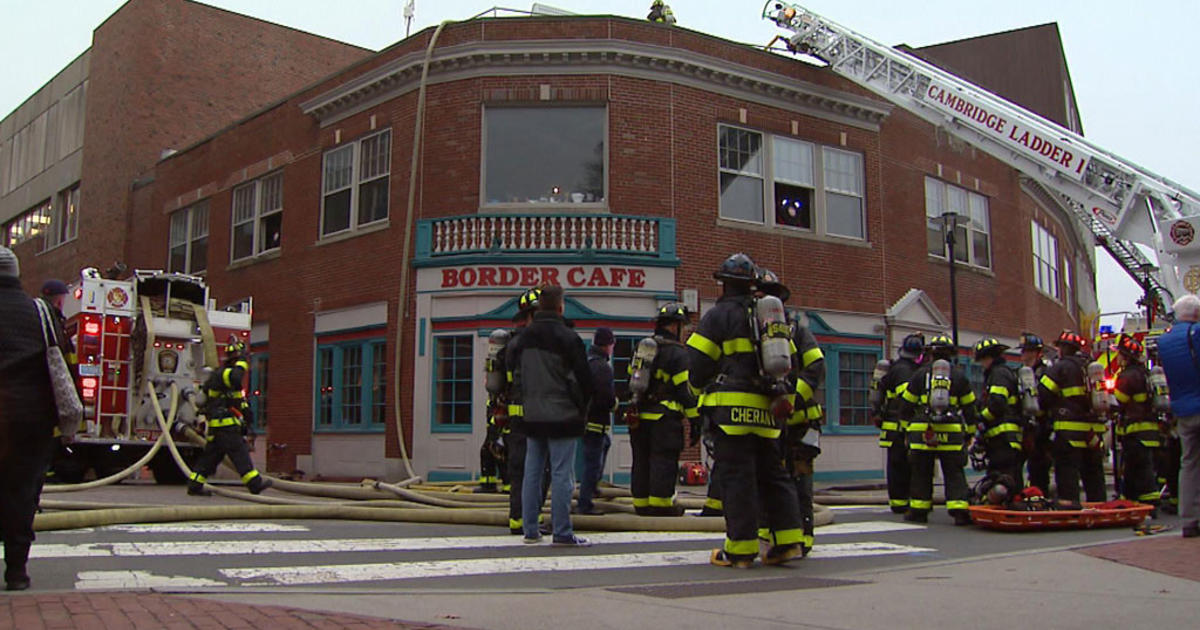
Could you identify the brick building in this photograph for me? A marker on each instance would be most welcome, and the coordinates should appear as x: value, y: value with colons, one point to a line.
x: 619, y: 158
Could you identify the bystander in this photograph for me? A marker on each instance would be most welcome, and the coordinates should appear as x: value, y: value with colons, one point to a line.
x: 1179, y: 353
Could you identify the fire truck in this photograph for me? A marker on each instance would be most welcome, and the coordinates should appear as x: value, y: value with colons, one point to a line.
x: 154, y: 327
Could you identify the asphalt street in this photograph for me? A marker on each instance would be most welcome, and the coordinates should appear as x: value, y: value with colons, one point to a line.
x: 315, y: 556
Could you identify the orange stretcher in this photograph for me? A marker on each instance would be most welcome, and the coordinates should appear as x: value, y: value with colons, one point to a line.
x: 1090, y: 517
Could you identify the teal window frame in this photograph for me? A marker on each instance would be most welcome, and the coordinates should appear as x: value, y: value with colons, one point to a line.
x: 622, y: 355
x: 443, y: 427
x: 833, y: 388
x: 260, y: 369
x: 369, y: 347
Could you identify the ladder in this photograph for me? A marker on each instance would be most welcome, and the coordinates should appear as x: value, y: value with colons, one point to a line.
x: 1121, y: 203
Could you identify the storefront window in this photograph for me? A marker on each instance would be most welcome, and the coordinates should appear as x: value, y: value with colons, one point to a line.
x: 351, y: 387
x: 544, y: 155
x: 452, y: 382
x: 848, y: 385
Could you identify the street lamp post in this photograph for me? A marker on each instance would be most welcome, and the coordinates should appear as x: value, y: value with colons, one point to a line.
x: 950, y: 222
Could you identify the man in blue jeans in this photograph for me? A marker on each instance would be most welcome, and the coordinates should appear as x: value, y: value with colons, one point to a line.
x: 552, y: 384
x: 595, y: 438
x: 1179, y: 355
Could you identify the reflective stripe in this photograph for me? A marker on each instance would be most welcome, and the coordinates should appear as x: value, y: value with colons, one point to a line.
x: 898, y: 502
x: 889, y: 425
x: 804, y: 390
x: 789, y: 537
x: 515, y: 523
x: 815, y: 412
x: 223, y: 422
x: 1121, y: 397
x: 198, y: 478
x: 1150, y: 496
x: 488, y: 479
x: 736, y: 399
x: 508, y: 376
x: 1007, y: 427
x: 998, y: 390
x: 662, y: 502
x: 639, y: 502
x: 966, y: 400
x: 714, y: 504
x: 1137, y: 427
x: 1049, y: 384
x: 741, y: 547
x: 596, y: 427
x: 910, y: 397
x: 705, y: 345
x: 1072, y: 392
x: 921, y: 504
x: 988, y: 415
x: 680, y: 378
x: 811, y: 357
x: 957, y: 505
x: 1085, y: 427
x: 1143, y: 397
x: 739, y: 345
x: 516, y: 410
x: 770, y: 434
x: 648, y: 415
x: 691, y: 412
x: 248, y: 476
x: 672, y: 405
x: 885, y: 443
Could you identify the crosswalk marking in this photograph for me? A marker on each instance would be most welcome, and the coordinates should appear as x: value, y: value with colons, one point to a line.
x: 245, y: 547
x: 292, y: 576
x: 121, y: 580
x: 235, y: 527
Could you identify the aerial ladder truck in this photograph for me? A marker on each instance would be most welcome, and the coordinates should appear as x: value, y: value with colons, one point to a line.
x: 1121, y: 203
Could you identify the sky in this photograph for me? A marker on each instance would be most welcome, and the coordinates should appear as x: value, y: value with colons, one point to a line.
x: 1132, y: 64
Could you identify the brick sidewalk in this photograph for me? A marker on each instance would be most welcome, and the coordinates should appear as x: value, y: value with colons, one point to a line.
x: 1167, y: 553
x: 147, y: 611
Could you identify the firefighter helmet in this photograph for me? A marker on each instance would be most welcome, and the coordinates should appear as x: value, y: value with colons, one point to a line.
x: 1130, y: 347
x: 940, y: 345
x: 673, y: 312
x: 913, y: 345
x: 989, y: 347
x: 769, y: 283
x: 1070, y: 339
x: 529, y: 300
x: 1030, y: 341
x: 738, y: 267
x: 234, y: 348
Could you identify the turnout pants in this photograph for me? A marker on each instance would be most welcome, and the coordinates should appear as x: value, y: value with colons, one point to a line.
x: 1041, y: 460
x: 1074, y: 464
x: 755, y: 482
x: 899, y: 475
x: 1166, y: 466
x: 1003, y: 459
x: 492, y: 471
x: 24, y: 458
x: 517, y: 446
x: 1138, y: 481
x: 656, y: 446
x: 801, y: 459
x: 957, y: 491
x: 222, y: 442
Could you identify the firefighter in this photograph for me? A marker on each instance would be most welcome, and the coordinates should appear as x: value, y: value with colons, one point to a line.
x: 229, y: 420
x: 938, y: 405
x: 656, y: 424
x: 515, y: 441
x: 1078, y: 439
x: 802, y: 438
x: 1000, y: 414
x: 1037, y: 431
x: 1137, y: 426
x: 891, y: 428
x: 748, y: 411
x: 660, y: 12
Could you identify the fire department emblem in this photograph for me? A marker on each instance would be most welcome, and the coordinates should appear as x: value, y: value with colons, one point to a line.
x: 1183, y: 233
x: 117, y: 297
x: 1191, y: 280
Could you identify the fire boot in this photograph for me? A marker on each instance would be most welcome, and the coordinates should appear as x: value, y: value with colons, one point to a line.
x: 258, y: 484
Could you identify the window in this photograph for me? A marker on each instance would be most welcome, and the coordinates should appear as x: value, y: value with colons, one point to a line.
x: 257, y: 217
x: 972, y: 241
x: 622, y: 354
x: 355, y: 183
x: 452, y: 382
x: 258, y: 388
x: 64, y: 218
x: 188, y: 247
x: 1068, y: 287
x: 789, y: 183
x: 1045, y: 260
x: 29, y: 225
x: 540, y: 155
x: 854, y: 385
x: 351, y: 385
x: 844, y: 194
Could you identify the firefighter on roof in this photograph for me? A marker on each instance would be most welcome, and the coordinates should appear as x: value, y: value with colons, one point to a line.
x: 661, y: 13
x: 1000, y: 414
x: 1078, y: 435
x: 229, y: 419
x: 1137, y: 425
x: 740, y: 357
x: 888, y: 394
x: 938, y: 405
x: 662, y: 400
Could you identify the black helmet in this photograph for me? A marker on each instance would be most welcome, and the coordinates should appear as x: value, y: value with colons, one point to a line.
x: 989, y: 347
x: 913, y: 345
x: 527, y: 303
x: 940, y: 345
x: 1030, y: 341
x: 737, y: 267
x: 672, y: 312
x: 234, y: 348
x: 769, y: 283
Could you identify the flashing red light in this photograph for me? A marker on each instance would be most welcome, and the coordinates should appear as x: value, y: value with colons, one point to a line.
x: 179, y: 346
x: 245, y: 333
x: 257, y: 392
x: 91, y: 328
x: 90, y: 383
x: 1110, y: 383
x: 157, y: 344
x: 89, y: 393
x: 79, y: 293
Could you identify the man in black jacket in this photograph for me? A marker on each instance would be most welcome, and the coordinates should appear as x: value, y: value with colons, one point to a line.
x: 552, y: 385
x: 27, y: 419
x: 595, y: 438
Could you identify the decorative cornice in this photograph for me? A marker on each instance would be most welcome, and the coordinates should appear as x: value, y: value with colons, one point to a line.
x: 606, y: 56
